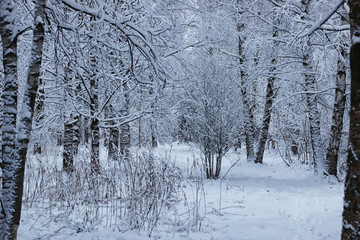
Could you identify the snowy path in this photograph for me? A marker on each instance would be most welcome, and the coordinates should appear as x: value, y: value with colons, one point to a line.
x: 261, y: 202
x: 272, y: 202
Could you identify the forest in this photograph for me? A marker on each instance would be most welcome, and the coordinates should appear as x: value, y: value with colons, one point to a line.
x: 180, y: 119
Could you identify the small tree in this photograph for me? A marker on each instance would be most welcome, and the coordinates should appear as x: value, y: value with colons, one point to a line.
x: 211, y: 115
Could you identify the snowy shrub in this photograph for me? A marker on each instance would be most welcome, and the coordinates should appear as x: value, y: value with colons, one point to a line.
x: 124, y: 194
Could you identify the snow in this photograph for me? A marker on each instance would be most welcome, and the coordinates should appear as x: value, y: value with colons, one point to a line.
x: 268, y: 201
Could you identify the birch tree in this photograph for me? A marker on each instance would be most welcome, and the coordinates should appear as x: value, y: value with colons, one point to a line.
x: 244, y: 81
x: 15, y: 143
x: 332, y: 153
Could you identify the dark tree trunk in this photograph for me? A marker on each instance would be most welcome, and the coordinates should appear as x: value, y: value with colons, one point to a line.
x: 332, y: 154
x: 351, y: 216
x: 268, y: 102
x: 113, y: 147
x: 218, y: 164
x: 266, y: 121
x: 71, y: 136
x: 125, y: 128
x: 71, y: 141
x: 248, y: 116
x: 113, y: 142
x: 10, y: 159
x: 337, y: 118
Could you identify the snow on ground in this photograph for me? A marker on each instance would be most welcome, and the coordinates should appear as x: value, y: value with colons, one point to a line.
x: 269, y: 201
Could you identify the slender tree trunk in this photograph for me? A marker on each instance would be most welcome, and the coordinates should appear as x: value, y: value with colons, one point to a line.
x: 248, y: 116
x: 95, y: 144
x: 28, y: 105
x: 71, y: 140
x: 268, y: 105
x: 312, y: 101
x: 39, y: 115
x: 113, y: 145
x: 351, y: 216
x: 125, y: 128
x: 338, y: 111
x: 10, y: 159
x: 314, y: 114
x: 266, y: 119
x: 337, y: 118
x: 71, y: 136
x: 218, y: 163
x: 94, y: 122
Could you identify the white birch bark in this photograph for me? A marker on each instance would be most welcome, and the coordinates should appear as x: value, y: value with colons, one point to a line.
x: 314, y: 114
x: 15, y: 144
x: 312, y: 100
x: 338, y: 113
x: 28, y: 104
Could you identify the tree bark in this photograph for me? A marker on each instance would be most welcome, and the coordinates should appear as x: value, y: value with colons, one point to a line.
x: 71, y: 137
x: 71, y: 140
x: 314, y: 114
x: 125, y: 128
x: 248, y: 116
x: 94, y: 105
x: 10, y: 159
x: 15, y: 146
x: 28, y: 105
x: 351, y: 216
x: 332, y: 154
x: 311, y: 100
x: 266, y: 119
x: 113, y: 145
x: 268, y: 105
x: 338, y: 115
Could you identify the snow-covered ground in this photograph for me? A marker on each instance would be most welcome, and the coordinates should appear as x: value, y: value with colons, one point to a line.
x: 268, y: 201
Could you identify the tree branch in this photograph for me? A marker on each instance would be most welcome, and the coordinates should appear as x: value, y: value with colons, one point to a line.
x: 318, y: 24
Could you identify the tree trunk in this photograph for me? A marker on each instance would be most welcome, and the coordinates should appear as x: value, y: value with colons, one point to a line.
x: 9, y: 97
x: 71, y: 140
x: 15, y: 150
x: 312, y: 101
x: 71, y: 136
x: 125, y: 128
x: 95, y: 145
x: 337, y: 118
x: 266, y: 119
x: 338, y: 111
x: 218, y: 164
x: 113, y: 144
x: 28, y: 105
x: 248, y: 116
x: 94, y: 122
x: 314, y: 114
x: 39, y: 116
x: 351, y: 216
x: 268, y: 105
